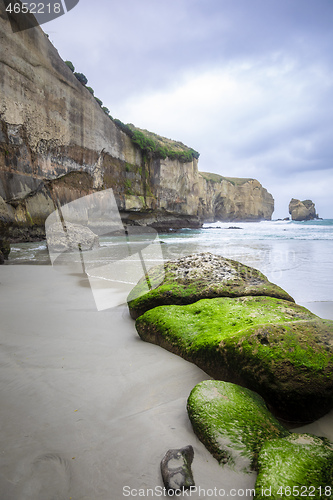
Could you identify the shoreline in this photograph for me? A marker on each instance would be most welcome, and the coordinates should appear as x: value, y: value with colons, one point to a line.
x: 86, y: 404
x: 78, y: 386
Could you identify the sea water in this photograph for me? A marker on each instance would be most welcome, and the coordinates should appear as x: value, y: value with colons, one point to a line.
x: 298, y: 256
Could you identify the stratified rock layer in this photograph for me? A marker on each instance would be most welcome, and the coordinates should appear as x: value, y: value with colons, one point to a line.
x: 199, y: 276
x: 232, y: 422
x: 297, y: 466
x: 272, y: 346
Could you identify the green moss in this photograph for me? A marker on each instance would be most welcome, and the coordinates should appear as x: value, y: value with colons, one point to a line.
x: 128, y: 187
x: 155, y: 146
x: 295, y: 467
x: 183, y: 282
x: 232, y: 422
x: 29, y: 218
x: 272, y: 346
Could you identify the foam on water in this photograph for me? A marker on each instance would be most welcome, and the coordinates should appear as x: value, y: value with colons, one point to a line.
x: 298, y: 256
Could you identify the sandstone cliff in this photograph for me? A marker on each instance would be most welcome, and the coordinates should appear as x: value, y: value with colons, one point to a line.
x: 302, y: 210
x: 57, y: 144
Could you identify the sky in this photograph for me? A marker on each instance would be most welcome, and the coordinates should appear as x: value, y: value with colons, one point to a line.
x: 246, y: 83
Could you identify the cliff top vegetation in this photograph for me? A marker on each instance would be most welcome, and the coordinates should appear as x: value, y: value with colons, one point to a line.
x: 151, y: 144
x: 156, y: 146
x: 216, y: 178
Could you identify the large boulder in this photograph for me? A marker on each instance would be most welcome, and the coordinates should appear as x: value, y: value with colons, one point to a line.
x: 295, y: 467
x: 272, y: 346
x: 199, y: 276
x: 68, y: 237
x: 302, y: 210
x: 232, y: 422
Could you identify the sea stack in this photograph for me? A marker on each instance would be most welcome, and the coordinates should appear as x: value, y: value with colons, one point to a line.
x: 302, y: 210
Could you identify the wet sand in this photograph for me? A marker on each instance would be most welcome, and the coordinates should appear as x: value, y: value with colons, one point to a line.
x: 88, y: 409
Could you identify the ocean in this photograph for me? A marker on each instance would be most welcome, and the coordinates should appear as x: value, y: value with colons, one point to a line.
x: 298, y: 256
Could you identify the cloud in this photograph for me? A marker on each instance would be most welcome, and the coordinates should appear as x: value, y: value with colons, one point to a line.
x: 247, y: 84
x: 250, y: 111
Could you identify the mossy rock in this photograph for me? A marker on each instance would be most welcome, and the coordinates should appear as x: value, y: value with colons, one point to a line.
x: 232, y: 422
x: 199, y: 276
x: 294, y: 467
x: 272, y: 346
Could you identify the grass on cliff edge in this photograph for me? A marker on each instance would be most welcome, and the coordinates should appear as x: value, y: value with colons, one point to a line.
x: 216, y: 178
x: 156, y: 146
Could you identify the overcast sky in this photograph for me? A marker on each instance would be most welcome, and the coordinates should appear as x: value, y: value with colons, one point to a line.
x: 247, y: 83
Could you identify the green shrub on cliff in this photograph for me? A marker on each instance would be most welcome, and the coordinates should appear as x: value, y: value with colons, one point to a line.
x: 152, y: 145
x: 159, y: 147
x: 82, y: 78
x: 147, y: 145
x: 70, y: 65
x: 125, y: 128
x: 155, y: 146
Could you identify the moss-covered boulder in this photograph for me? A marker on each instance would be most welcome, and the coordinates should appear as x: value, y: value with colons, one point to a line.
x: 295, y: 467
x: 232, y: 422
x: 199, y: 276
x: 272, y: 346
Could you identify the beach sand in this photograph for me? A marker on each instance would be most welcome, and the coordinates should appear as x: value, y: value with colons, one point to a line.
x: 88, y: 410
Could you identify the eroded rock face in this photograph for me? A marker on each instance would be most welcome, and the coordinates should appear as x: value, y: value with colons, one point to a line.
x: 295, y: 466
x: 176, y: 469
x: 272, y: 346
x: 198, y: 276
x: 232, y: 422
x: 55, y: 127
x: 302, y: 210
x: 236, y: 199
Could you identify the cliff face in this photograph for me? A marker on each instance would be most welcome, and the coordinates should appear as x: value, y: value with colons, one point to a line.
x: 234, y: 199
x: 57, y: 144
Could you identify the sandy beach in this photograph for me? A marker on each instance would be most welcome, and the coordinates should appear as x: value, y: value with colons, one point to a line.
x: 88, y: 410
